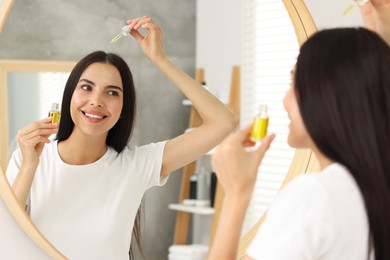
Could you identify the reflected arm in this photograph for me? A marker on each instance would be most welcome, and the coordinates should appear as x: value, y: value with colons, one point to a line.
x: 22, y: 185
x: 218, y: 120
x: 32, y: 139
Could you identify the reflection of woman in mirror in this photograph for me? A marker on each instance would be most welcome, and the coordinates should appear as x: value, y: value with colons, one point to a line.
x: 339, y: 106
x: 83, y: 189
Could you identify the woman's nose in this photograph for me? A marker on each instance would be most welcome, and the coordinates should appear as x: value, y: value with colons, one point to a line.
x: 97, y: 100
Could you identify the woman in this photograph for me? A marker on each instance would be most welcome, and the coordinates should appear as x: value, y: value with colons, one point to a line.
x: 83, y: 189
x: 339, y: 106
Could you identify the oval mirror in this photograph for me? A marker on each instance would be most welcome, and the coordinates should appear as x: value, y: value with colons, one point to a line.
x: 302, y: 161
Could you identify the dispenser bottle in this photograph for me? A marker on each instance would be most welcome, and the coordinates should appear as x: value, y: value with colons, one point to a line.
x: 193, y: 185
x: 54, y: 113
x: 260, y: 124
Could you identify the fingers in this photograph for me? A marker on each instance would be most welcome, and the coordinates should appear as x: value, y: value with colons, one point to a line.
x: 265, y: 144
x: 376, y: 17
x: 145, y: 22
x: 36, y: 132
x: 151, y: 43
x: 378, y: 6
x: 139, y: 37
x: 377, y: 3
x: 42, y: 124
x: 137, y: 23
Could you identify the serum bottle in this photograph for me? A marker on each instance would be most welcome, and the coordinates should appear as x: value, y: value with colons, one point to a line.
x: 54, y: 113
x: 260, y: 124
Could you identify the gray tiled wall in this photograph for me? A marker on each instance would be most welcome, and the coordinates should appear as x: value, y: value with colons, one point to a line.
x: 69, y: 29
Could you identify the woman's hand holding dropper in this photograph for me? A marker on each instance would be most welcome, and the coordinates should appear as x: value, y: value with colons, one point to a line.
x: 376, y: 17
x: 152, y: 43
x: 218, y: 121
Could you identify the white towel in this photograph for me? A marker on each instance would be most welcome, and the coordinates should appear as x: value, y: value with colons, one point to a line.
x: 173, y: 256
x: 194, y: 250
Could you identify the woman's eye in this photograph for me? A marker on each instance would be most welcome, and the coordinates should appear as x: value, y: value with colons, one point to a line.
x: 86, y: 87
x: 112, y: 93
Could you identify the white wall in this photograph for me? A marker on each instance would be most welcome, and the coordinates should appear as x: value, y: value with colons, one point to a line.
x: 328, y: 14
x: 218, y: 35
x: 218, y: 42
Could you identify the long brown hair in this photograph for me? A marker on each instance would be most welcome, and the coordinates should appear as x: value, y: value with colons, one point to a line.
x: 343, y: 90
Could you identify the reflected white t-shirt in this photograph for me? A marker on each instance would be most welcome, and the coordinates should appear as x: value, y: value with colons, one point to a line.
x: 316, y: 216
x: 88, y: 211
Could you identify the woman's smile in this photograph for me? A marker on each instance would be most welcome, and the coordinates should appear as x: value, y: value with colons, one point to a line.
x: 94, y: 116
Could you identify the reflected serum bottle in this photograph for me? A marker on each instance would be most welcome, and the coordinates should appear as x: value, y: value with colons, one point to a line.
x: 54, y: 113
x: 260, y: 124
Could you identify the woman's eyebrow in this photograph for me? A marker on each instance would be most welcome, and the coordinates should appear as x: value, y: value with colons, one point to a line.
x: 88, y: 81
x: 93, y: 84
x: 115, y: 87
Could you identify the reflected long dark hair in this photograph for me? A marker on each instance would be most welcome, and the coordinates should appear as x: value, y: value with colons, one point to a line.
x: 119, y: 135
x: 342, y: 83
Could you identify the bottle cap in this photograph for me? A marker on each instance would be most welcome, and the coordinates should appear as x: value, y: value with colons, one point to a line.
x: 263, y: 108
x: 55, y: 106
x: 126, y: 30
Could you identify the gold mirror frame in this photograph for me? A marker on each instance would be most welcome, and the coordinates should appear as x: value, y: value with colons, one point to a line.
x: 5, y: 8
x: 6, y: 193
x: 304, y: 160
x: 23, y: 220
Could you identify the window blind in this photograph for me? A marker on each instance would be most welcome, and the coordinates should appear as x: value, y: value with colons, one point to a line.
x: 270, y: 49
x: 39, y: 90
x: 51, y: 87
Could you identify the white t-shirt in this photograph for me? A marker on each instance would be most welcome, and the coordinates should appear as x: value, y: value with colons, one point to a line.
x: 88, y: 211
x: 316, y: 216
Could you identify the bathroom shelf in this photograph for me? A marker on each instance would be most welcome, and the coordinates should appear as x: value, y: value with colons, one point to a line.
x: 192, y: 209
x: 184, y: 212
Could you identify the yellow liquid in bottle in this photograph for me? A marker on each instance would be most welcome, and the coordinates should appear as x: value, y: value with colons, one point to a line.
x: 55, y: 117
x: 259, y: 129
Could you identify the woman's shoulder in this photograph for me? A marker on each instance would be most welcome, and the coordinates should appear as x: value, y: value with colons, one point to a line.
x: 332, y: 177
x: 141, y: 150
x: 333, y: 187
x: 322, y: 213
x: 333, y: 180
